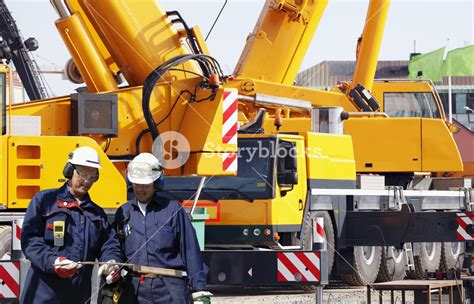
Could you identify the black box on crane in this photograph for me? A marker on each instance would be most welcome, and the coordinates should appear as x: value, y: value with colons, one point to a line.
x: 94, y: 114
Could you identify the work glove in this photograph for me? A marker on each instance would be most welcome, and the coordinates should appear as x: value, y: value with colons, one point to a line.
x: 65, y: 268
x: 110, y: 271
x: 201, y: 297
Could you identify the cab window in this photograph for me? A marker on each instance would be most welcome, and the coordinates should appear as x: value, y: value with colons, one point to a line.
x: 411, y: 104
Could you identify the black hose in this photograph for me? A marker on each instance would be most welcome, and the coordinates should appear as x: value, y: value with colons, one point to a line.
x: 156, y: 75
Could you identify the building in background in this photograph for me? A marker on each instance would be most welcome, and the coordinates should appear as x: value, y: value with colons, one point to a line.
x: 327, y: 74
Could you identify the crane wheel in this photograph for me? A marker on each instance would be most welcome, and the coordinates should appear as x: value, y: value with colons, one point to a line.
x: 428, y: 260
x: 365, y: 265
x: 452, y: 255
x: 393, y: 266
x: 328, y: 237
x: 5, y: 242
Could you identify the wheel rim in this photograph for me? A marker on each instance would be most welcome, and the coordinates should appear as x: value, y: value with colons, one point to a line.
x: 455, y: 249
x: 430, y: 249
x: 397, y: 255
x: 368, y: 253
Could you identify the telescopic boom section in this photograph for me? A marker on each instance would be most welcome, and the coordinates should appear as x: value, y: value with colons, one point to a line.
x: 138, y: 35
x: 368, y: 54
x: 276, y: 48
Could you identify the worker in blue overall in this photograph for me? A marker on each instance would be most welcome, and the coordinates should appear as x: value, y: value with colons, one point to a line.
x: 157, y: 232
x: 63, y: 226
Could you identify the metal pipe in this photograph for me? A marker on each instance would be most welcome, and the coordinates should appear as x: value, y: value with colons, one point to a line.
x: 60, y: 8
x: 277, y: 101
x: 198, y: 194
x: 347, y: 115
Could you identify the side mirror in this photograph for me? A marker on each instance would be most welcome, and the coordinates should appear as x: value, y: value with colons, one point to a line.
x: 291, y: 178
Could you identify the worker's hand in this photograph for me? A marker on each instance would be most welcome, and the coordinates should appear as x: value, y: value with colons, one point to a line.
x: 65, y: 268
x: 110, y: 271
x: 202, y: 297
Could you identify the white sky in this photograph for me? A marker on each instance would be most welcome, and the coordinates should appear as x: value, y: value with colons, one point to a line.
x: 428, y: 22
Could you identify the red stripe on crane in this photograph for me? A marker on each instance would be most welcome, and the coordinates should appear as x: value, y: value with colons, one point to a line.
x: 9, y: 281
x: 230, y: 134
x: 289, y: 265
x: 461, y: 222
x: 18, y: 232
x: 320, y: 230
x: 230, y: 111
x: 309, y: 264
x: 281, y: 278
x: 226, y: 93
x: 229, y: 160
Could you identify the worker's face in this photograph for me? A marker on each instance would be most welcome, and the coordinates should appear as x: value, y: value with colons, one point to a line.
x: 82, y: 180
x: 143, y: 193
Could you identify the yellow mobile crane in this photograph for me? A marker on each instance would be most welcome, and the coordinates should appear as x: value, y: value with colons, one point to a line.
x: 274, y: 153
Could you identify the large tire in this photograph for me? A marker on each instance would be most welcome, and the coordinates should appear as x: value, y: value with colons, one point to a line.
x: 328, y: 235
x: 5, y: 242
x: 366, y: 264
x: 393, y: 266
x: 452, y: 255
x: 428, y: 260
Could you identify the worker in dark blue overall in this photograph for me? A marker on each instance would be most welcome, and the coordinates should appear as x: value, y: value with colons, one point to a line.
x: 157, y: 232
x: 63, y: 226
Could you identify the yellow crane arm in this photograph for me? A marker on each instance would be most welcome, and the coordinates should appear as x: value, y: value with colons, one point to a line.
x: 369, y: 48
x: 275, y: 49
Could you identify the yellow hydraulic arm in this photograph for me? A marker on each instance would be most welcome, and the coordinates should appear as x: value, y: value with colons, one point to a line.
x: 275, y: 49
x: 369, y: 48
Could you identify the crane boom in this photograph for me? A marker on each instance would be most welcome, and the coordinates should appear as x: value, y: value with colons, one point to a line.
x: 276, y: 48
x: 13, y: 48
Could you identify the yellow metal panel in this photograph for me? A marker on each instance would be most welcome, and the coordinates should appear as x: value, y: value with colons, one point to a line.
x: 298, y: 124
x: 330, y: 156
x: 386, y: 145
x: 439, y: 149
x: 3, y: 171
x: 202, y: 125
x: 240, y: 212
x: 55, y: 114
x: 36, y: 163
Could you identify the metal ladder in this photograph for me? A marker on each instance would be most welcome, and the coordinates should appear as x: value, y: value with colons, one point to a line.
x: 407, y: 248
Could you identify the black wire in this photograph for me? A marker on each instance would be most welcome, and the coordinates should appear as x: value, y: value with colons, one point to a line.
x: 188, y: 71
x: 139, y: 139
x: 174, y: 104
x: 215, y: 21
x: 156, y: 75
x: 145, y: 131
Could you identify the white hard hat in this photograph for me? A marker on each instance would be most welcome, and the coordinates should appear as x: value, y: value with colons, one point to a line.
x: 144, y: 169
x: 85, y: 156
